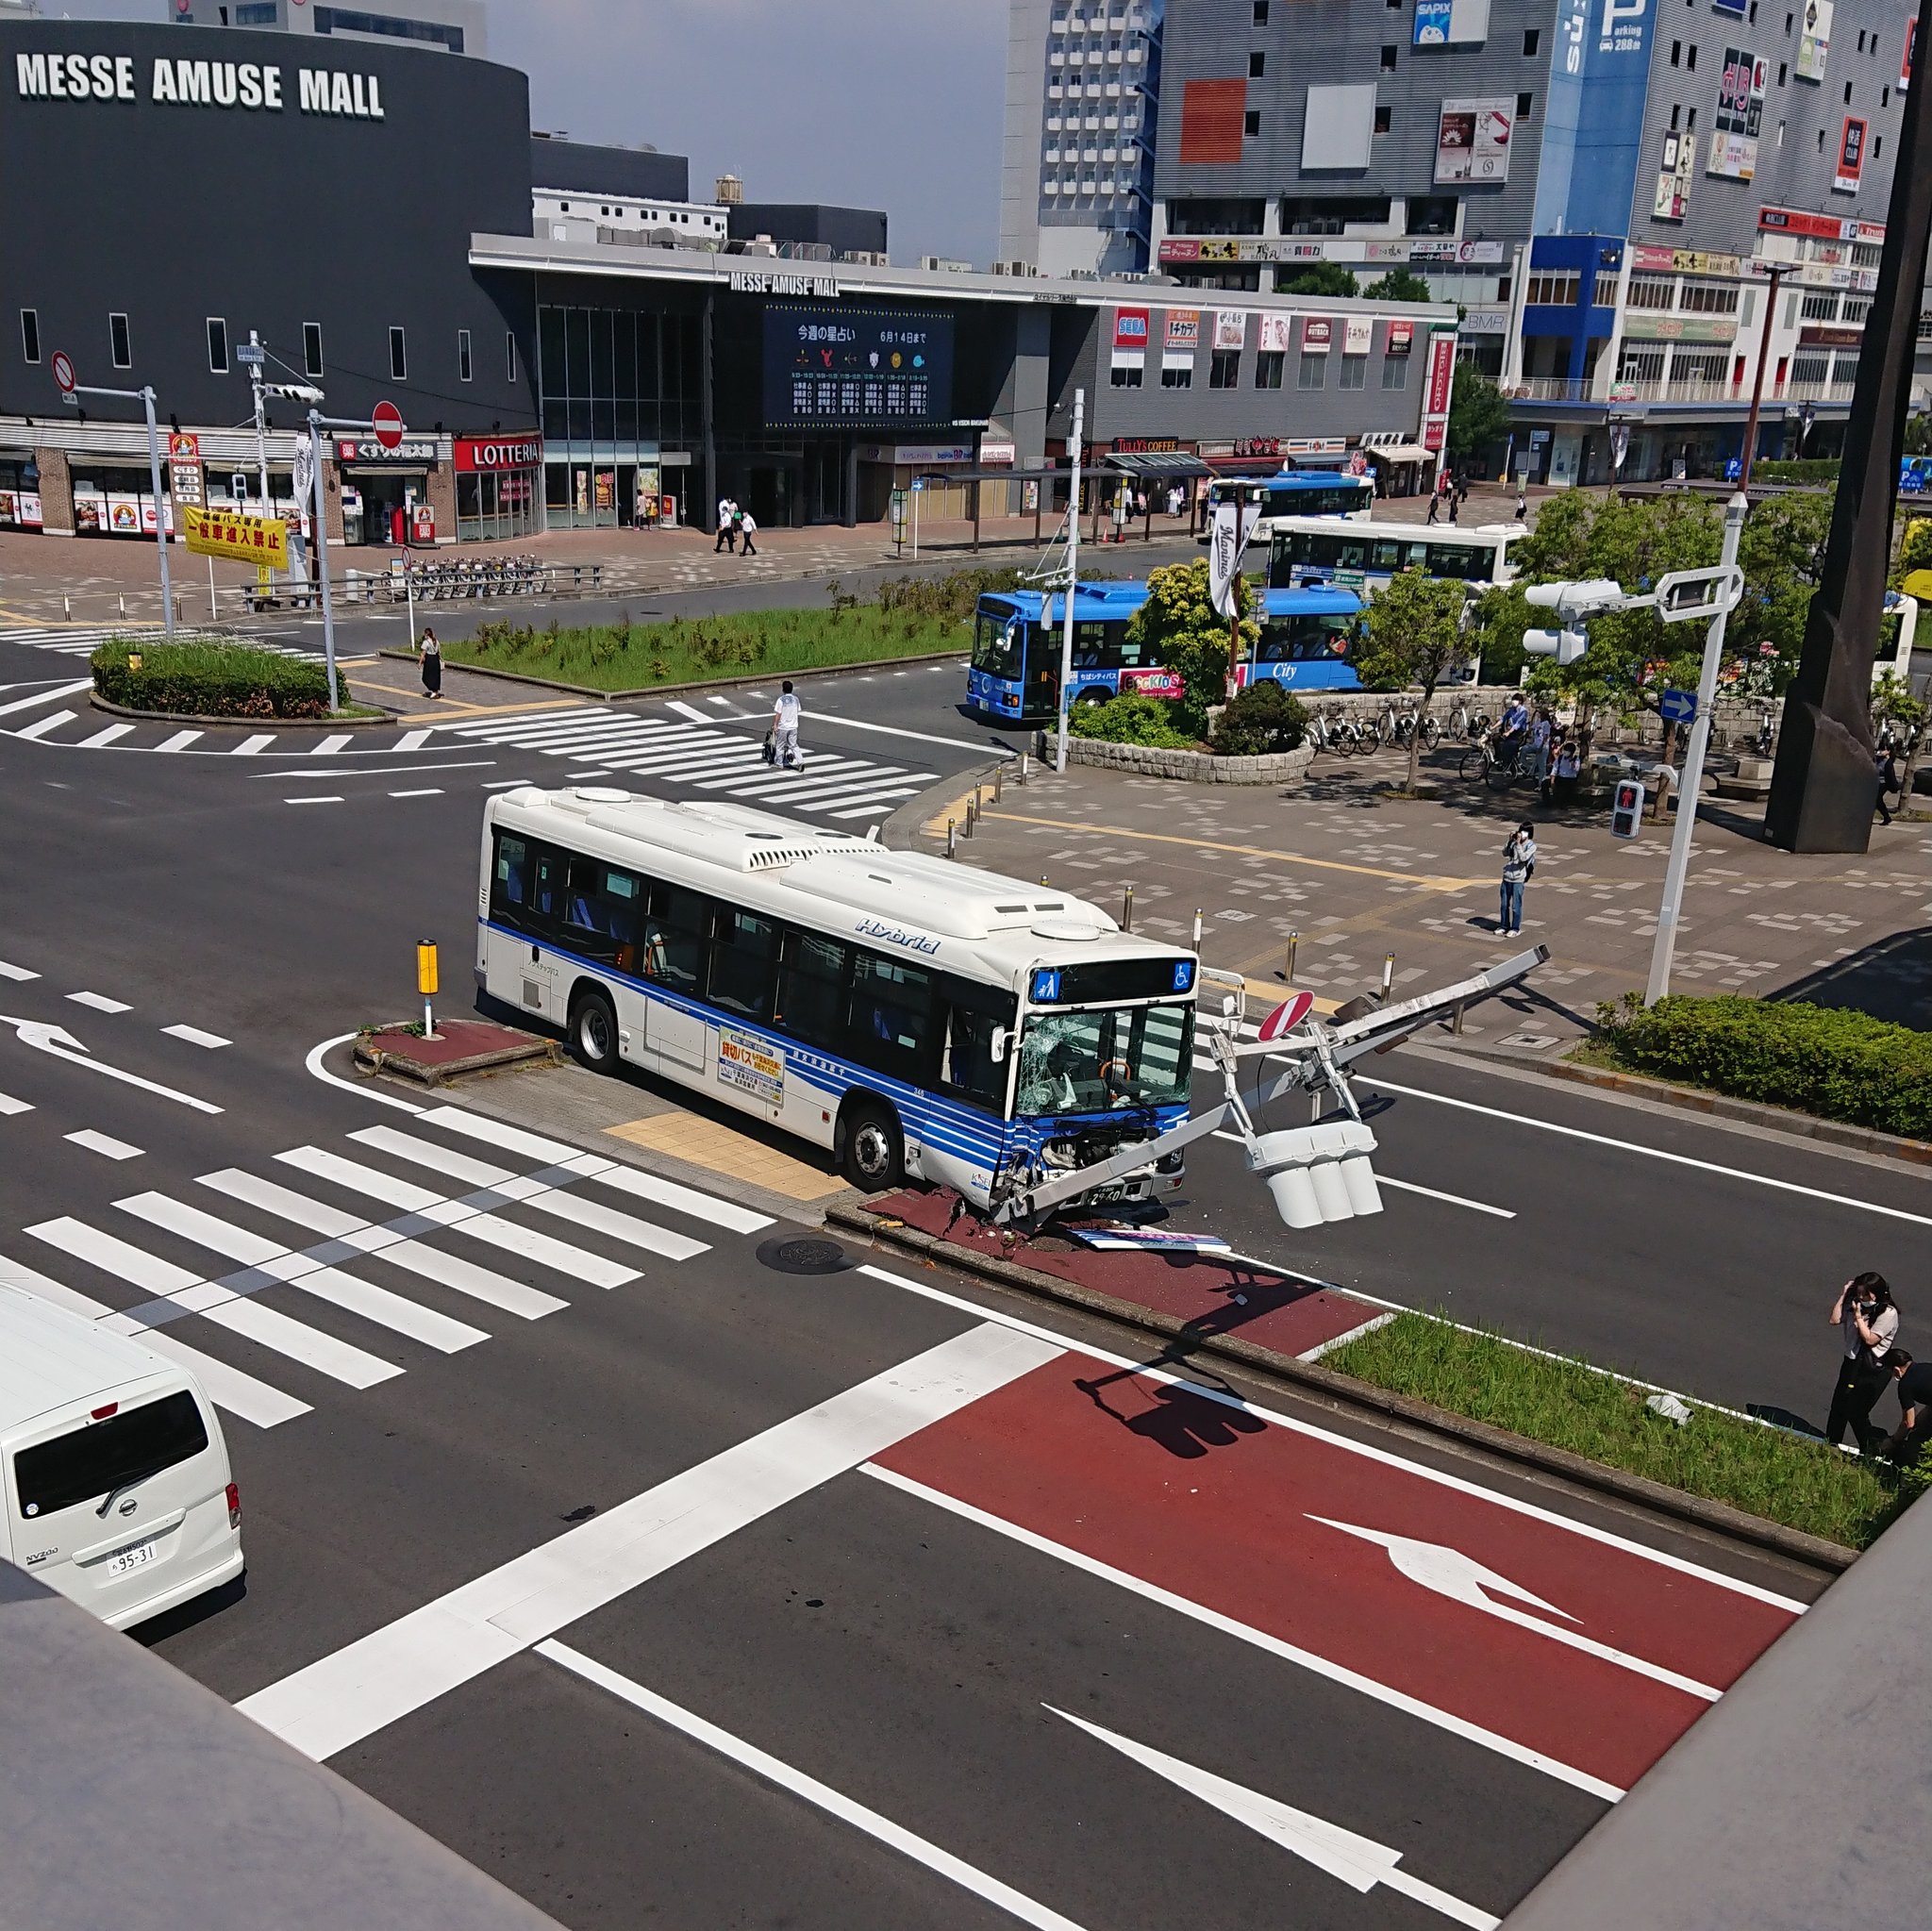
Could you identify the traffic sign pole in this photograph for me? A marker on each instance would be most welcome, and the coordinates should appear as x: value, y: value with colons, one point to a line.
x: 1664, y: 952
x: 386, y: 424
x: 70, y: 390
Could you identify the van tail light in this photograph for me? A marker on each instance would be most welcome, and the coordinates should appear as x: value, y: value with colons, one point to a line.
x: 234, y: 1504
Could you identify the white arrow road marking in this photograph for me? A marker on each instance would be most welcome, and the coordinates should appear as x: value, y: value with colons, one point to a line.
x: 1462, y: 1579
x: 1359, y: 1861
x: 58, y: 1042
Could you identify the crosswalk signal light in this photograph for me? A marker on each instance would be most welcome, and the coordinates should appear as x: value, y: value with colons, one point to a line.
x: 1626, y: 809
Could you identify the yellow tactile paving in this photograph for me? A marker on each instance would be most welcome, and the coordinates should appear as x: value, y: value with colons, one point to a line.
x: 722, y: 1149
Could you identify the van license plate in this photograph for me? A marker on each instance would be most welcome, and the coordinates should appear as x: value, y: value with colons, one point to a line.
x: 133, y: 1558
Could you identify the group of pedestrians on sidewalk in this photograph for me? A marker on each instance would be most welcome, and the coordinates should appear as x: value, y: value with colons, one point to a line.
x: 736, y: 529
x: 1867, y: 1318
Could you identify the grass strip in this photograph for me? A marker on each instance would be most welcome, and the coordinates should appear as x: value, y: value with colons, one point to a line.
x: 1765, y: 1471
x: 628, y: 656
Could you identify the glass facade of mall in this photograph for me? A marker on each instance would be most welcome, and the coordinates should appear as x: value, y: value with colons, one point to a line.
x: 618, y: 388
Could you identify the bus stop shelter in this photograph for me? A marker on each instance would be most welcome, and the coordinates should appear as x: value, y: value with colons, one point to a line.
x: 1158, y: 466
x: 1004, y: 473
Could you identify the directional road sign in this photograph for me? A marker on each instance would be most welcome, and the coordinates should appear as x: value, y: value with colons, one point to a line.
x: 1678, y: 707
x: 250, y: 353
x: 387, y: 420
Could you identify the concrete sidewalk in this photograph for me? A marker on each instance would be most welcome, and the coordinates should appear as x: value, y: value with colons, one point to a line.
x: 1350, y: 875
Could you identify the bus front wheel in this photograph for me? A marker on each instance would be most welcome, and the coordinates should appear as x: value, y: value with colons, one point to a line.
x: 593, y: 1030
x: 873, y: 1157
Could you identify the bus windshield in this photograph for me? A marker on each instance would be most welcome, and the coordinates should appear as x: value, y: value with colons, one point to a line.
x: 1098, y: 1061
x: 998, y: 644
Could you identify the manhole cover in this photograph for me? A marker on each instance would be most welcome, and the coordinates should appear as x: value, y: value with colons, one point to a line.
x: 804, y: 1256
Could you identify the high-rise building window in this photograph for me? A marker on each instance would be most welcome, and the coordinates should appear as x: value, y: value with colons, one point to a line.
x: 311, y: 348
x: 120, y: 351
x: 1224, y: 370
x: 217, y: 345
x: 1313, y: 372
x: 29, y: 335
x: 1251, y: 123
x: 509, y: 357
x: 1268, y: 368
x: 465, y: 370
x: 1394, y: 371
x: 1532, y: 38
x: 1258, y: 66
x: 398, y: 356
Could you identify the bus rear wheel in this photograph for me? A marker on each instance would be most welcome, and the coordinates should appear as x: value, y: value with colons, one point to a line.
x: 593, y: 1031
x: 874, y: 1159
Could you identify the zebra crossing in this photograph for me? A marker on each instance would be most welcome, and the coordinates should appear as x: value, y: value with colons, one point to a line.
x: 678, y: 749
x: 82, y: 640
x: 238, y: 1259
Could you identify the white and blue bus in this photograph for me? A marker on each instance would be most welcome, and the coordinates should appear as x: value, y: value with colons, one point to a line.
x: 1015, y: 671
x: 1363, y: 557
x: 1327, y: 494
x: 919, y: 1018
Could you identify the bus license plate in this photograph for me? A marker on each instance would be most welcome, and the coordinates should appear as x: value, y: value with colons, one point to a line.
x: 136, y: 1557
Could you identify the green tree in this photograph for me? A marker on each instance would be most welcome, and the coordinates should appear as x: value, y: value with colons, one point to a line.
x: 1415, y: 635
x: 1891, y: 698
x: 1398, y: 285
x: 1479, y: 413
x: 1914, y: 550
x: 1178, y: 627
x: 1327, y: 278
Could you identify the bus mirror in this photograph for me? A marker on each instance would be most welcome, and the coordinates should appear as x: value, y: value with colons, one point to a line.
x: 1229, y: 1006
x: 997, y: 1045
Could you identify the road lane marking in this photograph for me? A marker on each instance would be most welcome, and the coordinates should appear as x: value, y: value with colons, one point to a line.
x: 411, y: 740
x: 1501, y: 1213
x: 104, y: 1143
x: 689, y: 710
x: 329, y: 746
x: 435, y: 791
x: 1655, y: 1152
x: 331, y: 798
x: 252, y: 747
x: 377, y: 770
x: 181, y: 740
x: 14, y: 972
x: 9, y: 1106
x: 1260, y: 1638
x: 822, y: 1796
x: 228, y: 1387
x: 343, y: 1698
x: 1422, y: 1471
x: 1357, y: 1861
x: 106, y: 735
x: 51, y: 696
x: 1342, y: 1340
x: 60, y: 1044
x: 196, y: 1037
x: 100, y: 1001
x: 1434, y: 881
x: 827, y: 717
x: 40, y: 727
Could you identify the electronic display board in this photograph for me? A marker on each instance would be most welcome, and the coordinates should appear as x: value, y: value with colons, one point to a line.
x: 831, y: 365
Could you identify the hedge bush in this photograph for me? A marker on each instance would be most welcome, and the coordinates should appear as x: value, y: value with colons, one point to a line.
x: 1810, y: 469
x: 1128, y: 720
x: 1822, y: 1059
x: 217, y: 680
x: 1261, y: 719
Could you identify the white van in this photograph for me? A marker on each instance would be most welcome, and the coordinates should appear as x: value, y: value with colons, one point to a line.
x: 117, y: 1487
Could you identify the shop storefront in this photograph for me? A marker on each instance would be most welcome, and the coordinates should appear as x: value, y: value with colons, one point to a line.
x: 112, y: 499
x: 20, y: 490
x: 611, y: 486
x: 386, y: 493
x: 496, y: 486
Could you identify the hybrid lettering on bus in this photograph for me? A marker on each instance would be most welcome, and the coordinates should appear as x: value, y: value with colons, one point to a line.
x: 1363, y: 557
x: 1293, y: 493
x: 919, y: 1018
x: 1015, y: 671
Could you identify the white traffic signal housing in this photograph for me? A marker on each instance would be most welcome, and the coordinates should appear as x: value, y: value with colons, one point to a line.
x: 1566, y: 646
x: 1319, y: 1174
x: 1626, y: 809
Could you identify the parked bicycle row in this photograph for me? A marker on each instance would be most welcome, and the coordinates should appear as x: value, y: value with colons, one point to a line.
x: 1347, y: 735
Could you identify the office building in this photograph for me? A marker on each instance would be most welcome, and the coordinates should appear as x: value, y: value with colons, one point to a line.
x: 456, y: 26
x: 1082, y: 113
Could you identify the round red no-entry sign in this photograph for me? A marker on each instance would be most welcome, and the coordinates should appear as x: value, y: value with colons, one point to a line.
x: 387, y: 420
x: 1286, y: 1016
x: 63, y: 372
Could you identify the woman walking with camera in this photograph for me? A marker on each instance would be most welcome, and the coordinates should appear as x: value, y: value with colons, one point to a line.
x: 1868, y: 1319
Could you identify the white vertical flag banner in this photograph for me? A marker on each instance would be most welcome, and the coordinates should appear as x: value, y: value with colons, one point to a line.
x: 1234, y: 523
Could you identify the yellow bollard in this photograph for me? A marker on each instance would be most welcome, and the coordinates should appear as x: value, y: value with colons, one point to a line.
x: 426, y: 984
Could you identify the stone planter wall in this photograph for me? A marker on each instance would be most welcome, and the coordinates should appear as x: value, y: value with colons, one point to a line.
x: 1190, y: 767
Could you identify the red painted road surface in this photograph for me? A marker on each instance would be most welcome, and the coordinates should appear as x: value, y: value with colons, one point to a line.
x: 1288, y: 1316
x: 1214, y: 1504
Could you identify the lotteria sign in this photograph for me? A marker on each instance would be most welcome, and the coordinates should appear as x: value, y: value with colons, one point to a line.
x: 254, y: 86
x: 1593, y: 119
x: 474, y: 453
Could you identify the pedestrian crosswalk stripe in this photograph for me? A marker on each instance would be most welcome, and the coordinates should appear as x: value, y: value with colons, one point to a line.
x: 466, y: 1277
x: 619, y: 1227
x: 440, y: 1159
x: 52, y: 694
x: 272, y: 1197
x: 106, y: 735
x: 9, y: 1106
x: 41, y: 726
x: 179, y: 742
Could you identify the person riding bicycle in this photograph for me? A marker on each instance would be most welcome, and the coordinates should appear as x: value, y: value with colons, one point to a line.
x: 1510, y: 729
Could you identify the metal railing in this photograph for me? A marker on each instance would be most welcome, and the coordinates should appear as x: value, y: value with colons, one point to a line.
x: 1692, y: 389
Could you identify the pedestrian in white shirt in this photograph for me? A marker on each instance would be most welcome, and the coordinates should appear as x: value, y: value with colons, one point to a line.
x: 785, y: 716
x: 727, y: 525
x: 748, y: 529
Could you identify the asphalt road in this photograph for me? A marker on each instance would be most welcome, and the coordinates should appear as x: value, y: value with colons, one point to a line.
x: 995, y: 1626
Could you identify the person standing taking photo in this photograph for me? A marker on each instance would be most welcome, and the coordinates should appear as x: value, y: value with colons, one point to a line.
x: 1865, y: 1315
x: 1518, y: 864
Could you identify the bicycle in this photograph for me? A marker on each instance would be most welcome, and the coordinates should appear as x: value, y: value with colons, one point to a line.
x: 1480, y: 761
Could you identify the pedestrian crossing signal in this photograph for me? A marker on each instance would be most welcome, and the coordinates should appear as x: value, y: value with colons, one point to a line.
x: 1626, y: 809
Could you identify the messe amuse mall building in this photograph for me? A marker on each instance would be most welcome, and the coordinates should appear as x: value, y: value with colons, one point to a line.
x: 171, y: 198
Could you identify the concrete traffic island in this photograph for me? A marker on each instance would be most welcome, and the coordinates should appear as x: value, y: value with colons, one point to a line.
x: 459, y: 1047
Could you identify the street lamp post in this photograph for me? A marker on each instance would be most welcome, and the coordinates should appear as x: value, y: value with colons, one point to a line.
x: 317, y: 424
x: 146, y: 397
x: 1059, y: 762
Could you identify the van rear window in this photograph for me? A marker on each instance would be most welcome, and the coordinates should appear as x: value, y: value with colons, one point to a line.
x: 100, y: 1456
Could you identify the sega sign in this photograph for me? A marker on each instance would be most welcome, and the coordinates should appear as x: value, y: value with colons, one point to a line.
x: 1593, y: 119
x: 1130, y: 328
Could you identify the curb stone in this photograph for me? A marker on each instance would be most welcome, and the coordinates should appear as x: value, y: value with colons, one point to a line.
x: 242, y: 724
x: 1344, y: 1392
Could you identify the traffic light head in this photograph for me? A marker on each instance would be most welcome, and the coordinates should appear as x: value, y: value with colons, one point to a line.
x: 1626, y: 809
x: 1566, y: 646
x: 1574, y: 602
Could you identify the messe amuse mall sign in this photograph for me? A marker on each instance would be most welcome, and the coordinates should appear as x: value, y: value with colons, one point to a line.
x: 248, y: 83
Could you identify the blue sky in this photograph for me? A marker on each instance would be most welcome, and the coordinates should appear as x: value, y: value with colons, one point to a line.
x: 892, y: 103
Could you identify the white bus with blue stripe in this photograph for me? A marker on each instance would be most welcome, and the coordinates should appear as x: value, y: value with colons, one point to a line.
x: 920, y: 1017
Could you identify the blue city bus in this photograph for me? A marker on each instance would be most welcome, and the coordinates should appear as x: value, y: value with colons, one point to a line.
x: 1310, y: 641
x: 1293, y: 492
x: 1015, y: 675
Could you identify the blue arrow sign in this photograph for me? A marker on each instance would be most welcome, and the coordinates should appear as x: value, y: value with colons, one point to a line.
x: 1678, y: 707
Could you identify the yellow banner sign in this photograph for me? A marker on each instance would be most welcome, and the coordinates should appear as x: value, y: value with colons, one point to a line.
x: 262, y: 540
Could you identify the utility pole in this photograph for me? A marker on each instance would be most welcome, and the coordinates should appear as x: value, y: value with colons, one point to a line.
x: 260, y: 421
x: 328, y: 615
x: 1665, y: 950
x: 146, y: 397
x: 1777, y: 272
x: 1059, y: 762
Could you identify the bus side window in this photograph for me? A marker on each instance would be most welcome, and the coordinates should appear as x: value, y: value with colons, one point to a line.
x: 891, y: 1014
x: 674, y: 938
x: 600, y: 913
x: 743, y: 949
x: 812, y: 989
x: 547, y: 889
x: 967, y: 1066
x: 509, y: 883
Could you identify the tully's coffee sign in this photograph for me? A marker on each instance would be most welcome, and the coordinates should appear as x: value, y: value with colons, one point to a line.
x: 1146, y: 446
x: 246, y: 84
x: 473, y: 453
